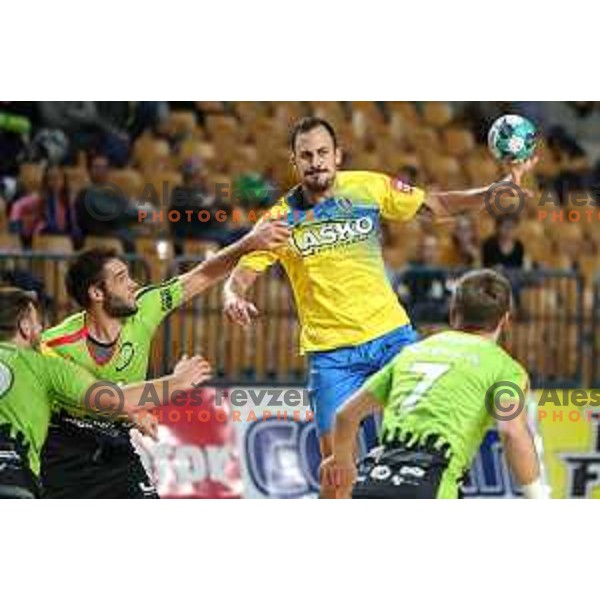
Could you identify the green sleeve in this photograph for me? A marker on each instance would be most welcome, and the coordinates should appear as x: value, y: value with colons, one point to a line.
x: 67, y: 381
x: 380, y: 384
x: 155, y: 302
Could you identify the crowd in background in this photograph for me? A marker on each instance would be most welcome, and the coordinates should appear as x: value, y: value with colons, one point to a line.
x: 58, y: 160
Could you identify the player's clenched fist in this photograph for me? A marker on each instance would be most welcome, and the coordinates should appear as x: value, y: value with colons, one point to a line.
x: 146, y: 423
x: 268, y: 235
x: 338, y: 476
x: 191, y: 372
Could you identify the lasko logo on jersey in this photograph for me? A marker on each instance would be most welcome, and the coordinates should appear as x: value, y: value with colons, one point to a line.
x: 316, y: 237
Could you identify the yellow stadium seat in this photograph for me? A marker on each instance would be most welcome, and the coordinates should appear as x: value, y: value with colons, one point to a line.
x: 437, y: 114
x: 30, y: 176
x: 199, y: 248
x: 408, y: 111
x: 92, y: 241
x: 458, y: 142
x: 181, y: 123
x: 128, y: 180
x: 151, y: 154
x: 52, y: 244
x: 195, y: 149
x: 9, y: 242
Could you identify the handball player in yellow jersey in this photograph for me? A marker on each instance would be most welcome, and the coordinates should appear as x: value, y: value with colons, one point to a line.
x: 351, y: 321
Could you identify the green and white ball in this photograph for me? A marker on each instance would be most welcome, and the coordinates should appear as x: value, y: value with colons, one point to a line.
x: 512, y: 138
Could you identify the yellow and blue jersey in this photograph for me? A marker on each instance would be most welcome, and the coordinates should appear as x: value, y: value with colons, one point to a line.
x: 334, y: 259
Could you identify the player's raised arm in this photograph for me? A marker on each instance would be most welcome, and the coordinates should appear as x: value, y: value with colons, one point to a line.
x: 265, y: 236
x: 448, y: 204
x: 188, y: 373
x: 521, y: 455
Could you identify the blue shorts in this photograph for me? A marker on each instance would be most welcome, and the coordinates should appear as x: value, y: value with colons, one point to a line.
x: 336, y: 374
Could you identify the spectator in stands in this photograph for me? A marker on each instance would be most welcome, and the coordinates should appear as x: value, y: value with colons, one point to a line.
x: 465, y: 244
x: 423, y: 287
x: 101, y: 210
x: 88, y: 128
x: 49, y: 211
x: 503, y: 249
x: 195, y: 195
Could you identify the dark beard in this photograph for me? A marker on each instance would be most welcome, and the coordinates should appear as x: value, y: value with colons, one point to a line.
x: 318, y: 187
x: 117, y: 308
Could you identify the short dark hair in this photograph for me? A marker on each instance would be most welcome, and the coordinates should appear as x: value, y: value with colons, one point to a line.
x: 87, y: 270
x: 480, y: 300
x: 14, y: 304
x: 307, y: 124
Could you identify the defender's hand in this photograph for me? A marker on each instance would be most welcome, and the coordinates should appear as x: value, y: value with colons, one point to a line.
x: 146, y: 423
x: 191, y: 372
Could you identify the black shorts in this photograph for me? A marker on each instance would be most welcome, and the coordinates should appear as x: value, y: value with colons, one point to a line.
x: 16, y: 478
x: 83, y: 461
x: 397, y: 471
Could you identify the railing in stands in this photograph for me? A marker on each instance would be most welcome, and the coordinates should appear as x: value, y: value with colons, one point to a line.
x: 547, y: 335
x: 547, y: 331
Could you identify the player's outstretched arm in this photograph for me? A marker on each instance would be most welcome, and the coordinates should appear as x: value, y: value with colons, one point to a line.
x: 521, y: 455
x: 132, y: 401
x: 448, y: 204
x: 235, y: 306
x: 266, y: 235
x: 338, y: 471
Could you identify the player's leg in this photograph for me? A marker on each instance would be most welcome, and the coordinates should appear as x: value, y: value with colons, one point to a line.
x: 78, y: 464
x: 334, y: 377
x: 16, y: 479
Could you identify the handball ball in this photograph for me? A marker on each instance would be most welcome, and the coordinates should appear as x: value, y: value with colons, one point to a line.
x: 512, y: 138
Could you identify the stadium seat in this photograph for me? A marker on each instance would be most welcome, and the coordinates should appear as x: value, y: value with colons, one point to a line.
x: 193, y: 149
x: 92, y: 241
x: 181, y: 123
x: 408, y: 110
x: 222, y: 127
x: 480, y: 170
x: 458, y: 142
x: 9, y: 242
x: 199, y: 248
x: 128, y: 180
x: 445, y: 171
x: 437, y: 114
x: 52, y: 244
x: 30, y: 176
x: 151, y: 154
x: 210, y: 106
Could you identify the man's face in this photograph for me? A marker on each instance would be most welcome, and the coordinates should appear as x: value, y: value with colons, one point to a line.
x: 507, y: 230
x: 118, y: 290
x: 429, y: 250
x: 316, y: 160
x: 99, y: 170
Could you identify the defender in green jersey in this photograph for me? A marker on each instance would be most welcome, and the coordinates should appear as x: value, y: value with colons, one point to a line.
x: 87, y: 457
x: 439, y: 397
x: 31, y: 385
